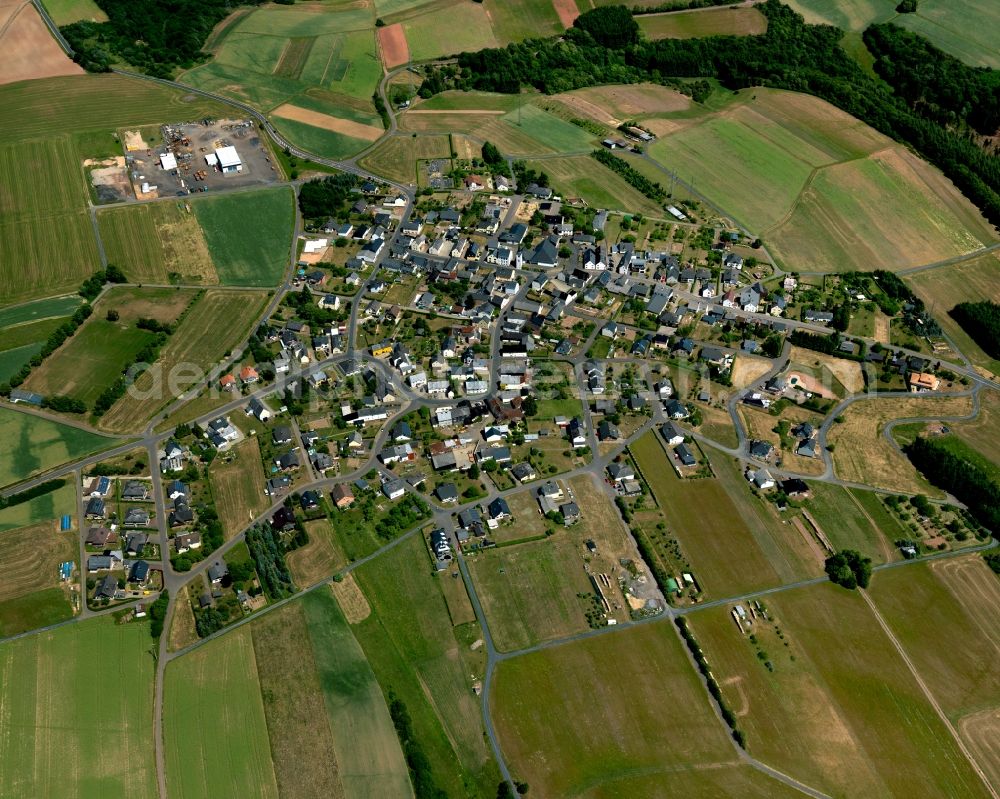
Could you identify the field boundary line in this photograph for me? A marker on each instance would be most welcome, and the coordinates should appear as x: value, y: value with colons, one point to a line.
x: 927, y: 693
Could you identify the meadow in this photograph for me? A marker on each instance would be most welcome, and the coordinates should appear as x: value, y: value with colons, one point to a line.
x: 638, y: 721
x: 416, y: 652
x: 433, y: 35
x: 703, y: 22
x: 292, y: 61
x: 99, y: 351
x: 522, y: 19
x: 248, y: 235
x: 210, y: 694
x: 582, y: 176
x: 839, y: 709
x: 41, y: 445
x: 863, y: 455
x: 849, y: 15
x: 944, y: 288
x: 201, y: 340
x: 724, y: 554
x: 156, y: 241
x: 530, y: 592
x: 66, y: 744
x: 64, y: 12
x: 967, y: 29
x: 850, y: 523
x: 396, y: 157
x: 827, y: 192
x: 237, y: 481
x: 30, y: 595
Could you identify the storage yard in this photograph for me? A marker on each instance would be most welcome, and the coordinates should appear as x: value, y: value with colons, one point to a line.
x: 210, y: 155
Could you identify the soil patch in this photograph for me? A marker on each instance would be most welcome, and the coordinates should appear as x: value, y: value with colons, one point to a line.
x: 392, y: 43
x: 567, y: 11
x: 27, y: 49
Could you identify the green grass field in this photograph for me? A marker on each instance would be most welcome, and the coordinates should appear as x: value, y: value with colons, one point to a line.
x: 582, y: 176
x: 41, y: 444
x: 33, y: 611
x: 840, y: 710
x: 522, y: 19
x: 724, y: 555
x: 432, y: 35
x: 39, y: 310
x: 530, y: 592
x: 416, y: 653
x: 846, y: 14
x: 618, y: 715
x: 64, y: 12
x: 555, y: 133
x: 90, y: 361
x: 703, y: 22
x: 31, y: 594
x: 47, y: 507
x: 248, y: 235
x: 66, y: 744
x: 967, y: 29
x: 214, y: 729
x: 12, y: 360
x: 157, y: 240
x: 863, y: 525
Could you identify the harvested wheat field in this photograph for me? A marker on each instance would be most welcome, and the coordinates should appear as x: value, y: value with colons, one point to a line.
x: 392, y: 44
x: 863, y: 455
x: 318, y: 559
x: 847, y: 372
x: 615, y: 104
x: 351, y: 600
x: 347, y: 127
x: 30, y: 558
x: 747, y: 370
x: 27, y: 49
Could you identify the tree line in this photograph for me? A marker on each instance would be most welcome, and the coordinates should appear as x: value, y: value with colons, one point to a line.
x: 963, y: 478
x: 632, y: 176
x: 790, y: 55
x: 981, y: 320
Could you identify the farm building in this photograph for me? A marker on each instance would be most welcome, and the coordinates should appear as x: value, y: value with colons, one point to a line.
x: 229, y: 160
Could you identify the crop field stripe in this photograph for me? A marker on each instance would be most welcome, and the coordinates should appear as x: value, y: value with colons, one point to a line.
x: 294, y: 57
x: 370, y: 760
x: 57, y: 743
x: 214, y: 727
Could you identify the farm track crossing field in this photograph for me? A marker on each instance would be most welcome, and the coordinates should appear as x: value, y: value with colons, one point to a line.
x: 846, y: 715
x: 723, y: 553
x: 638, y: 716
x: 530, y: 591
x: 396, y: 157
x: 248, y: 235
x: 213, y: 326
x: 703, y: 22
x: 414, y: 651
x: 41, y: 445
x: 57, y: 742
x: 238, y: 486
x: 944, y: 615
x: 861, y: 453
x: 847, y: 524
x: 582, y: 176
x: 944, y: 288
x: 209, y: 694
x: 39, y: 310
x: 967, y: 29
x: 154, y: 240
